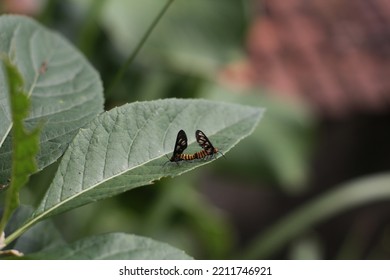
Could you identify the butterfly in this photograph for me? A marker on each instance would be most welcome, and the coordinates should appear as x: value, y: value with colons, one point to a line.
x: 180, y: 146
x: 204, y: 142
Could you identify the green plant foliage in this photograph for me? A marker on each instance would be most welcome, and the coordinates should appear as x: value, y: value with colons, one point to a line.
x: 103, y: 154
x: 113, y: 246
x: 126, y: 148
x: 65, y: 91
x: 188, y: 38
x: 342, y: 198
x: 215, y: 236
x: 24, y: 143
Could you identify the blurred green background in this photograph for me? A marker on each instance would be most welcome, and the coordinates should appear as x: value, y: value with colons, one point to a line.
x: 202, y: 49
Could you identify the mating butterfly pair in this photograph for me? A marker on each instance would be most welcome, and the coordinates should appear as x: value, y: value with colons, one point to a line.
x: 181, y: 145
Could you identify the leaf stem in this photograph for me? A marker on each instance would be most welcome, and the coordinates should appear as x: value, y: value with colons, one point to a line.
x: 21, y: 230
x: 131, y: 57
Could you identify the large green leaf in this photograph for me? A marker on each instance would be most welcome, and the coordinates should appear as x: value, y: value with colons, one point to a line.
x: 114, y: 246
x: 65, y: 91
x: 126, y: 147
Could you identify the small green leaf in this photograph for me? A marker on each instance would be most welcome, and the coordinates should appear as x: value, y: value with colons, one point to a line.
x: 64, y: 90
x: 24, y: 143
x: 113, y: 246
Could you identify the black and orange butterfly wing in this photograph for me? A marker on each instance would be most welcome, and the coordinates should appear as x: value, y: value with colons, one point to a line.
x: 180, y: 146
x: 204, y: 142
